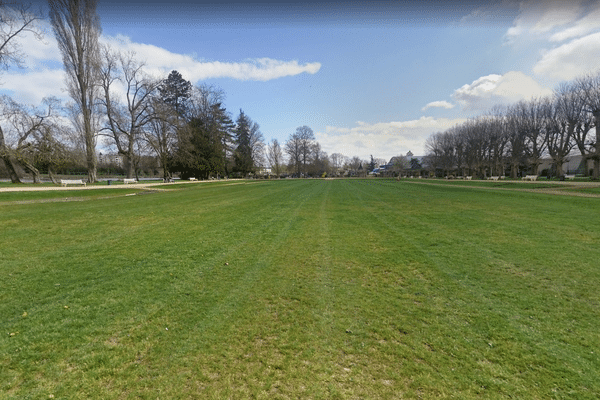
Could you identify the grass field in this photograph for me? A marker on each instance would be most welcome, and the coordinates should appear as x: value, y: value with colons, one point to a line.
x: 304, y: 289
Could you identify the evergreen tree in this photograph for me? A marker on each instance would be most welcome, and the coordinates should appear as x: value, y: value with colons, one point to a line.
x: 242, y: 156
x: 202, y: 145
x: 372, y: 164
x: 176, y: 91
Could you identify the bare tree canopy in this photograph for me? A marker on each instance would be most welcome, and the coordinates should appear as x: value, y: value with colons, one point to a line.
x: 77, y: 28
x: 275, y: 157
x: 126, y: 118
x: 30, y: 136
x: 16, y: 21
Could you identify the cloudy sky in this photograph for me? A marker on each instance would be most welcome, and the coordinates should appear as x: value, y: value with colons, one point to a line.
x: 370, y: 78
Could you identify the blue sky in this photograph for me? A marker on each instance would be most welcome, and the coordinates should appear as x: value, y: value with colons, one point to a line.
x: 370, y: 78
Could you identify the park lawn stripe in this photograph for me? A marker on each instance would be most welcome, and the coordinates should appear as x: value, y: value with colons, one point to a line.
x: 302, y: 289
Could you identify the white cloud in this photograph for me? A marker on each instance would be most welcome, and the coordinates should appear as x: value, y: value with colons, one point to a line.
x: 541, y: 17
x: 44, y: 75
x: 33, y: 86
x: 587, y: 24
x: 438, y: 104
x: 572, y: 59
x: 490, y: 90
x: 383, y: 139
x: 160, y: 62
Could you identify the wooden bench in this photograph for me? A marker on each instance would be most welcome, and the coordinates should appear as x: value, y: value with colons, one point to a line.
x: 192, y: 179
x: 494, y: 178
x: 65, y: 182
x: 129, y: 180
x: 468, y: 178
x: 570, y: 177
x: 530, y: 178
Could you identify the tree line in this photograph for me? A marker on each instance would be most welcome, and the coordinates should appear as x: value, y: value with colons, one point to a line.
x: 513, y: 139
x: 113, y: 100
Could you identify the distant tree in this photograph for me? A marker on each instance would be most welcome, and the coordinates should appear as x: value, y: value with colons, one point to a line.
x: 372, y: 164
x: 275, y: 157
x: 257, y: 146
x: 319, y: 165
x: 77, y: 28
x: 337, y: 162
x: 354, y: 164
x: 415, y: 163
x: 243, y: 163
x: 293, y: 148
x: 305, y: 137
x: 399, y: 164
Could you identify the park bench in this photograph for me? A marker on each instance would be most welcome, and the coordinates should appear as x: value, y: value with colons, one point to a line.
x: 65, y: 182
x: 494, y: 178
x: 129, y: 180
x: 530, y: 178
x: 192, y: 179
x: 570, y: 177
x: 468, y: 178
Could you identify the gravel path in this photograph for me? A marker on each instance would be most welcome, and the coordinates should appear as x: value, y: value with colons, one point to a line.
x: 558, y: 191
x: 139, y: 185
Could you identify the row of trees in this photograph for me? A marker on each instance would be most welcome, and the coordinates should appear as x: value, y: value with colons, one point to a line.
x: 302, y: 156
x: 114, y: 99
x: 516, y: 137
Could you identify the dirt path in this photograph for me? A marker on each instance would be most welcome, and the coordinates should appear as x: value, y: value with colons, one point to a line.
x: 139, y: 185
x: 558, y: 191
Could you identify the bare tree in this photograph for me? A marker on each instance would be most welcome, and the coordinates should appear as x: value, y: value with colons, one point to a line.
x: 15, y: 21
x: 584, y: 122
x: 319, y: 161
x: 275, y: 157
x: 563, y: 117
x: 589, y: 86
x: 306, y: 137
x: 29, y: 134
x: 441, y: 152
x: 126, y: 117
x: 161, y: 134
x: 517, y: 137
x: 257, y: 145
x: 337, y: 161
x: 293, y: 148
x: 354, y: 164
x: 77, y: 28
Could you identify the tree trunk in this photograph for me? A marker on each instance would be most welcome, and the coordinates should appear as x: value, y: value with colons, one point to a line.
x: 90, y: 145
x: 596, y: 154
x: 91, y: 160
x: 128, y: 166
x: 52, y: 176
x: 8, y: 161
x: 514, y: 171
x: 31, y: 168
x: 559, y: 168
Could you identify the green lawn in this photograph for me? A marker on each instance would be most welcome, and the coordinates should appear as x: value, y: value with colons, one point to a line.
x: 60, y: 195
x: 303, y: 289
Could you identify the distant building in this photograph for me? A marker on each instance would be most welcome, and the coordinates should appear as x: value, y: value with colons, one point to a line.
x: 573, y: 165
x: 110, y: 159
